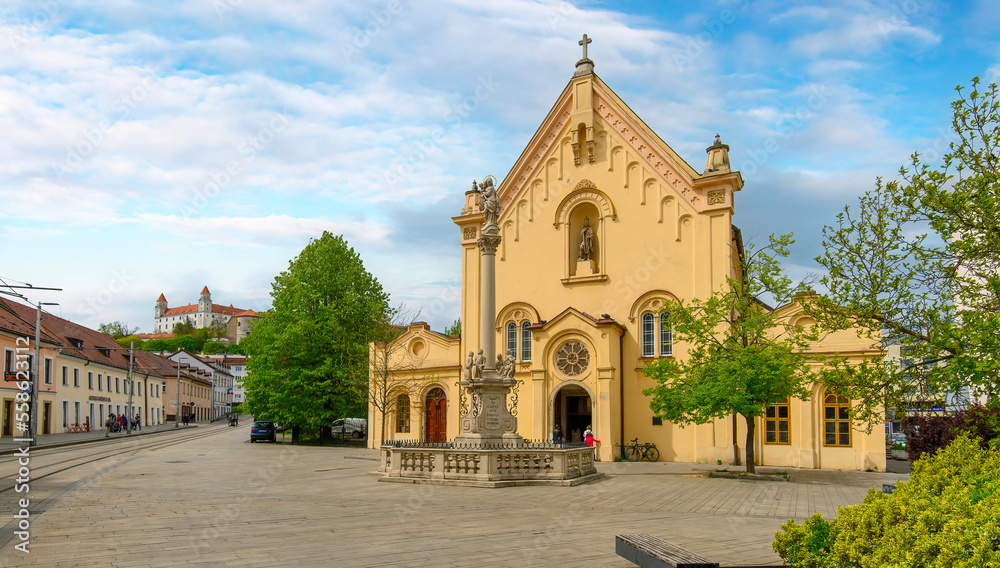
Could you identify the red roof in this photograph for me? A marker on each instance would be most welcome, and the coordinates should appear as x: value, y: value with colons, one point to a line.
x: 205, y: 290
x: 76, y: 340
x: 247, y: 313
x: 162, y: 298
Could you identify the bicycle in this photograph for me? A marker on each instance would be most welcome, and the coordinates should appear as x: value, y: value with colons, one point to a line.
x: 634, y: 451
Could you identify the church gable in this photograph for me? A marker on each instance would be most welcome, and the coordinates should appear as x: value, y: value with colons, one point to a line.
x: 590, y: 125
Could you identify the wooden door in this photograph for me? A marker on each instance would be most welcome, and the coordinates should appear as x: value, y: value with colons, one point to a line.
x: 435, y: 407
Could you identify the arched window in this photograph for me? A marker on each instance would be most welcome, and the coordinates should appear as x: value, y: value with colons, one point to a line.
x: 512, y: 339
x: 657, y: 335
x: 526, y: 341
x: 648, y: 334
x: 776, y: 423
x: 836, y: 419
x: 402, y: 414
x: 666, y: 336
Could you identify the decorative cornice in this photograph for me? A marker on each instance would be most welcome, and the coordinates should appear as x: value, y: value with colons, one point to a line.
x: 585, y: 184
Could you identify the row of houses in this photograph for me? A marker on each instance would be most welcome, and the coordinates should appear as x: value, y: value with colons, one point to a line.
x: 84, y: 376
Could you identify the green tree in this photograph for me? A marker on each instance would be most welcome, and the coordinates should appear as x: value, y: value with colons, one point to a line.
x: 117, y: 329
x: 455, y: 328
x: 919, y: 258
x: 308, y: 356
x: 135, y: 341
x: 741, y: 357
x: 185, y: 327
x: 213, y: 347
x: 189, y: 343
x: 161, y: 344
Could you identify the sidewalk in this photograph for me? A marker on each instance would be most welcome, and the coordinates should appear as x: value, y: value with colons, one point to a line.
x: 10, y: 445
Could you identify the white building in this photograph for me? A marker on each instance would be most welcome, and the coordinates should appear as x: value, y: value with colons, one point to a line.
x: 202, y: 314
x: 222, y: 380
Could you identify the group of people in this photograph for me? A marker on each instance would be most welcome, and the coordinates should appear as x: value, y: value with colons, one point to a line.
x: 234, y: 419
x: 587, y: 437
x: 121, y: 422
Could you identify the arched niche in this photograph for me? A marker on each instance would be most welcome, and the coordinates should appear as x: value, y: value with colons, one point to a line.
x: 584, y: 203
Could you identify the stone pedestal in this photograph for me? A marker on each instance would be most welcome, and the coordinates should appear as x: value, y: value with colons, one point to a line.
x: 488, y: 420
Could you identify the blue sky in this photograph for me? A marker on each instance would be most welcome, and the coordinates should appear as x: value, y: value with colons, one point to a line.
x: 158, y: 147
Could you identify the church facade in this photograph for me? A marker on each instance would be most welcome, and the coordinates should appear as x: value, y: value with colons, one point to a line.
x: 601, y: 222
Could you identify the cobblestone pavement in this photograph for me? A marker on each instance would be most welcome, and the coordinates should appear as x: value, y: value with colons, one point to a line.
x: 222, y: 501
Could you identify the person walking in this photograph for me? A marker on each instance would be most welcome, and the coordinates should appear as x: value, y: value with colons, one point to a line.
x: 138, y: 422
x: 109, y: 423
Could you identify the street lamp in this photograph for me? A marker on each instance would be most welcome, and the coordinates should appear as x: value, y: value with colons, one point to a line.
x: 33, y: 418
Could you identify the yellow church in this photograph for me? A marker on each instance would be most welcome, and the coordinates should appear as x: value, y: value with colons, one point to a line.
x: 601, y: 221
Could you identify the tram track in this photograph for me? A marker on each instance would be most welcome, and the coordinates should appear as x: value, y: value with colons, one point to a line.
x: 104, y: 453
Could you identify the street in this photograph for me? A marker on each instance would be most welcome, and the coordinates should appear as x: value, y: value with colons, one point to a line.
x: 206, y: 496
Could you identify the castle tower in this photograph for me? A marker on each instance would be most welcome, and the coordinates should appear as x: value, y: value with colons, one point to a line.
x: 161, y: 307
x: 205, y: 301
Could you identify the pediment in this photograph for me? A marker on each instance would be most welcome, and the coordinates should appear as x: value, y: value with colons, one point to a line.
x: 590, y: 125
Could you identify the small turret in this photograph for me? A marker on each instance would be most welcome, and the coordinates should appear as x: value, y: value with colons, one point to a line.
x: 718, y: 158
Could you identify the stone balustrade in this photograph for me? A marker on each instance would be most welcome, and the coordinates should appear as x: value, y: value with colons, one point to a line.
x: 488, y: 465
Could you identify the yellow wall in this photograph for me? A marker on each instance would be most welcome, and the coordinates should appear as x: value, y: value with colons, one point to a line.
x: 662, y: 230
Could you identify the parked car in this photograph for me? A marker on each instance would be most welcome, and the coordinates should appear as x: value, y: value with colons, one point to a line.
x: 262, y: 430
x: 897, y: 438
x: 356, y: 427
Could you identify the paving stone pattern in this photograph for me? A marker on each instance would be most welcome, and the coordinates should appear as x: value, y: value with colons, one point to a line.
x: 221, y: 501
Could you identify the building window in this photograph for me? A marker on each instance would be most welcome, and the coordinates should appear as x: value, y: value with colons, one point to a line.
x: 402, y: 414
x: 90, y: 380
x: 100, y: 382
x: 118, y: 384
x: 512, y: 339
x: 65, y: 376
x: 76, y: 377
x: 48, y: 371
x: 666, y: 336
x: 776, y: 423
x: 836, y: 419
x: 526, y: 341
x: 648, y: 327
x: 650, y: 346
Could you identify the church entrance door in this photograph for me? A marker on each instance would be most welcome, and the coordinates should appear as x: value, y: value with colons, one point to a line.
x: 572, y: 410
x: 436, y: 406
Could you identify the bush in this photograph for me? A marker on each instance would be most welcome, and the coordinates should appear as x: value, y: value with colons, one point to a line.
x: 946, y: 516
x: 928, y: 434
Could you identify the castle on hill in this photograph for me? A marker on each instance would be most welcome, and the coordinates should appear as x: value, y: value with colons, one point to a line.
x: 203, y: 314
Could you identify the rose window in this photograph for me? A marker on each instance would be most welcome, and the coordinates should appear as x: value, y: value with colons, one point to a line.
x: 572, y: 358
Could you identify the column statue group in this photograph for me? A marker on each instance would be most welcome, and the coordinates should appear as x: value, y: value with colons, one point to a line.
x: 475, y: 364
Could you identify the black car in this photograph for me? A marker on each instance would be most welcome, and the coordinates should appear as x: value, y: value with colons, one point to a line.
x: 262, y: 430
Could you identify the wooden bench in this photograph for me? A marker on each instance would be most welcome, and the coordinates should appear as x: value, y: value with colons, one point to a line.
x: 648, y: 551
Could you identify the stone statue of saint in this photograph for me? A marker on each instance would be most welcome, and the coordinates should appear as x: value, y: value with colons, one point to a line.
x: 586, y: 240
x: 508, y: 366
x: 491, y: 202
x: 469, y: 363
x: 478, y: 364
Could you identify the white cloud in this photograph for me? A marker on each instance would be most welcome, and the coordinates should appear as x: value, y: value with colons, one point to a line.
x: 260, y: 231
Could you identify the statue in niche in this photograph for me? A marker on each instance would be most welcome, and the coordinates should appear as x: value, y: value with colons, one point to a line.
x: 478, y: 364
x: 586, y: 240
x: 469, y: 365
x: 490, y: 205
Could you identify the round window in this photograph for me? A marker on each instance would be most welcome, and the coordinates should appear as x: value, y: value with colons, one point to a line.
x: 572, y: 358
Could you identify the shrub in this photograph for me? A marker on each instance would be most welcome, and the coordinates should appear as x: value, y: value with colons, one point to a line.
x: 946, y: 516
x: 928, y: 434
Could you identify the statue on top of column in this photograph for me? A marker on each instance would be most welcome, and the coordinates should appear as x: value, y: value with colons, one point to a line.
x: 491, y: 201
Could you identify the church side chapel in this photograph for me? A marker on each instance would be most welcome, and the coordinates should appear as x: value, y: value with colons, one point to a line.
x: 600, y: 222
